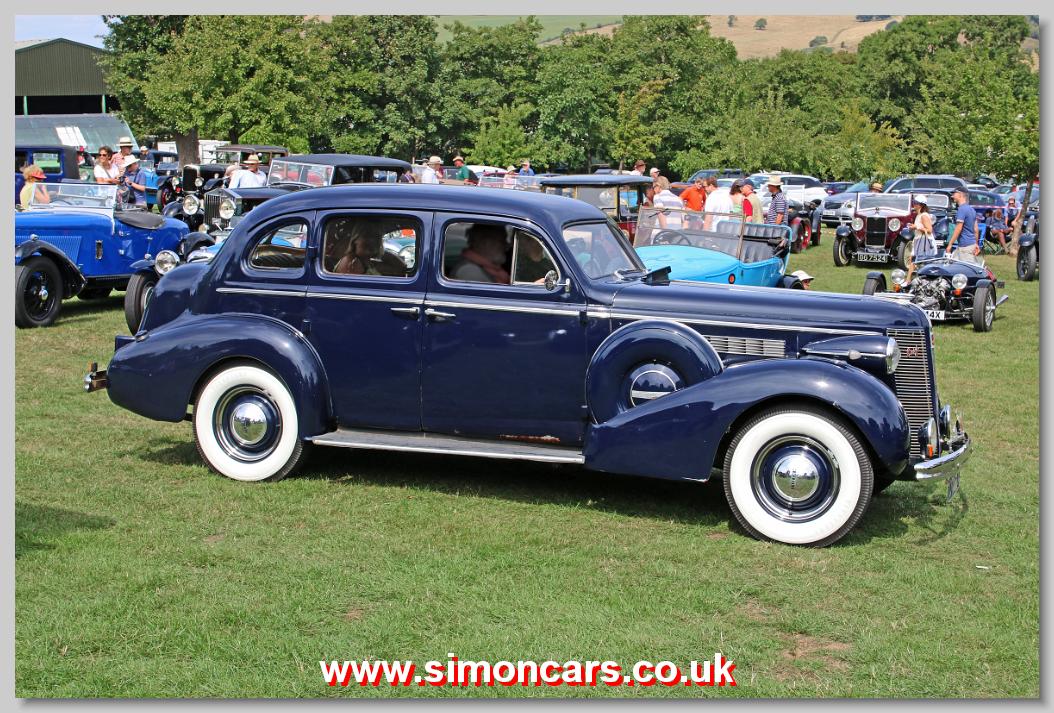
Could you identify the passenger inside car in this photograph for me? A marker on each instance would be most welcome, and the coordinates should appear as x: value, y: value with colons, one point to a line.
x: 484, y: 256
x: 355, y: 246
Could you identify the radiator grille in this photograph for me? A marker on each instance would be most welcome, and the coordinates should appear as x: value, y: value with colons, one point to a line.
x: 746, y: 345
x: 913, y: 381
x: 876, y: 232
x: 212, y: 210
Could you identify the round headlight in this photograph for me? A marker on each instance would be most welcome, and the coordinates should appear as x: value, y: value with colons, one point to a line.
x: 408, y: 255
x: 191, y: 205
x: 175, y: 182
x: 899, y: 277
x: 199, y: 182
x: 165, y: 261
x: 226, y: 209
x: 858, y: 223
x: 892, y: 355
x: 959, y: 281
x: 848, y: 204
x: 894, y: 224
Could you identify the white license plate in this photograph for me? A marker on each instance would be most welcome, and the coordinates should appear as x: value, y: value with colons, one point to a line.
x: 829, y: 213
x: 936, y: 315
x: 871, y: 257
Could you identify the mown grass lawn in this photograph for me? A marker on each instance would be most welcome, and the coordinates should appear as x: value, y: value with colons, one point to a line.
x: 141, y: 573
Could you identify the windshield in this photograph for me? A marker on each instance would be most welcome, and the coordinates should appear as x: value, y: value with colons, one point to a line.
x: 81, y: 195
x: 283, y: 171
x: 601, y: 249
x: 884, y: 201
x: 858, y: 187
x: 939, y: 201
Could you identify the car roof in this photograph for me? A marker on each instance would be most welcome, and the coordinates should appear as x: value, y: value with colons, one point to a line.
x: 596, y: 179
x: 348, y: 159
x: 542, y: 208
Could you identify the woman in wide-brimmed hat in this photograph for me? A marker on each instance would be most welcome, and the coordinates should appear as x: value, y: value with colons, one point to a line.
x: 32, y: 192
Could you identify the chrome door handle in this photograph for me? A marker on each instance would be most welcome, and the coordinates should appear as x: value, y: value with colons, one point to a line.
x: 406, y: 311
x: 438, y: 316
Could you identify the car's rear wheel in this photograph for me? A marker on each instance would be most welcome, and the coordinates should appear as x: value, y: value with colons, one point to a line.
x: 797, y: 475
x: 246, y: 425
x: 841, y: 252
x: 796, y: 239
x: 983, y: 314
x: 137, y: 297
x: 38, y: 292
x: 1026, y: 264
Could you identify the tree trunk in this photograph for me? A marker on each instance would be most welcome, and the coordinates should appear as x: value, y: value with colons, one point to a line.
x: 1019, y: 222
x: 187, y: 146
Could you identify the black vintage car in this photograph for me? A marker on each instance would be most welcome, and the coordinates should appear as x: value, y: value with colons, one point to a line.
x: 945, y: 289
x: 1028, y: 246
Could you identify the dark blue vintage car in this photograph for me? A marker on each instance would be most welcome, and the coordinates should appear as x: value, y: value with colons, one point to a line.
x: 945, y: 289
x: 1028, y: 247
x: 528, y: 328
x: 78, y: 240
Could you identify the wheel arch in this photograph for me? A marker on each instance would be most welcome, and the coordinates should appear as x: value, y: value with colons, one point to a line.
x: 73, y: 281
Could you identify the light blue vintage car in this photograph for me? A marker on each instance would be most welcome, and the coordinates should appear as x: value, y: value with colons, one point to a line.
x: 712, y: 247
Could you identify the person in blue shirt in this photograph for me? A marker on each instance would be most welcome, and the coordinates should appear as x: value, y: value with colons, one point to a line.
x: 964, y: 240
x: 526, y: 170
x: 134, y: 180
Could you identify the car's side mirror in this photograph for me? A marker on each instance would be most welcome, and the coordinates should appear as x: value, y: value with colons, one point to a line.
x: 551, y: 284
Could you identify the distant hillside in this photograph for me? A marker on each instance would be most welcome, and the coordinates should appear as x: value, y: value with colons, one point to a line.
x: 552, y: 25
x: 793, y: 32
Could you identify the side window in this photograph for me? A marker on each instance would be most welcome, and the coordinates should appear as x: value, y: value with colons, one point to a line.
x: 282, y: 248
x: 48, y: 160
x: 812, y: 183
x: 927, y: 183
x: 530, y: 260
x: 370, y: 245
x: 794, y: 181
x: 477, y: 252
x: 20, y: 160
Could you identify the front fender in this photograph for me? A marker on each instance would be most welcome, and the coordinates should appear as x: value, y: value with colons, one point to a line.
x: 1027, y: 240
x: 157, y: 376
x: 679, y: 436
x: 73, y: 280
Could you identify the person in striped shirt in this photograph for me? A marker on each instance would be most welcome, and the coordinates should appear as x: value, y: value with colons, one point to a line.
x: 777, y: 213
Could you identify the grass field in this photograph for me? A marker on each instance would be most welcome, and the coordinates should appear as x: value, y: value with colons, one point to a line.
x: 139, y: 573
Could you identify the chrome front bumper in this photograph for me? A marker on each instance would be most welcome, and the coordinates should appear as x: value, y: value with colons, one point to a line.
x: 96, y: 379
x: 947, y: 465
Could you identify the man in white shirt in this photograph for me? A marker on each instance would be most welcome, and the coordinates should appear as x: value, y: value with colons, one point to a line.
x: 718, y: 200
x: 124, y: 146
x: 430, y: 173
x: 251, y: 176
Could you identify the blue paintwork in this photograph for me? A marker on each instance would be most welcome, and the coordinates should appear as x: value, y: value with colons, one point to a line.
x: 702, y: 265
x: 75, y: 233
x: 510, y: 362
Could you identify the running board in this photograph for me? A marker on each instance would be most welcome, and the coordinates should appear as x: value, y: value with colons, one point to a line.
x: 451, y: 445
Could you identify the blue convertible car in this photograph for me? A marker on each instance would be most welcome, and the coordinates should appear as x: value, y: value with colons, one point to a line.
x: 528, y: 328
x: 77, y: 240
x: 712, y: 247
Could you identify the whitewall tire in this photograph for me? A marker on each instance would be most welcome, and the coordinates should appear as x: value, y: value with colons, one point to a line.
x: 246, y: 426
x: 797, y: 476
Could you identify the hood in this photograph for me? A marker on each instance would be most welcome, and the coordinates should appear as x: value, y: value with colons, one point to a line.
x: 689, y: 263
x: 50, y: 221
x: 257, y: 195
x: 800, y: 309
x: 946, y: 267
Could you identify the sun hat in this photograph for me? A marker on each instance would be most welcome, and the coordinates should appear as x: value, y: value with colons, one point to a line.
x: 143, y: 148
x: 252, y: 158
x: 653, y: 170
x: 511, y: 168
x: 775, y: 181
x: 922, y: 199
x: 435, y: 159
x: 639, y: 162
x: 876, y: 186
x: 459, y: 158
x: 124, y: 141
x: 802, y: 275
x: 131, y: 160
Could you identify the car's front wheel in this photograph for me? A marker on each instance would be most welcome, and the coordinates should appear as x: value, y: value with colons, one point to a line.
x: 841, y: 252
x: 38, y: 292
x: 983, y: 314
x: 797, y: 476
x: 246, y: 425
x: 137, y: 296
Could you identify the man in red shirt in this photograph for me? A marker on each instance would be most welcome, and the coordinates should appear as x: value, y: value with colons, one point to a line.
x: 693, y: 196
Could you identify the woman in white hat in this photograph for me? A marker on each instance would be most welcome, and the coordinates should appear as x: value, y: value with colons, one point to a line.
x: 923, y: 246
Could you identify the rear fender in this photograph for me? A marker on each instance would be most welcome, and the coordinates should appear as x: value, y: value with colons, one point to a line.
x: 158, y: 376
x: 679, y: 436
x: 72, y: 279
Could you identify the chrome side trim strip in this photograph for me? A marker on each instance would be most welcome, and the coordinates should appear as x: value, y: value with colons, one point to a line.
x: 607, y: 314
x: 366, y: 298
x: 569, y: 311
x: 258, y: 291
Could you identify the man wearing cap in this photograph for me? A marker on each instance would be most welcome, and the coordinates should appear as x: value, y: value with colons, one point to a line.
x: 134, y: 181
x: 526, y: 169
x: 756, y: 213
x: 804, y: 278
x: 777, y: 213
x: 430, y: 173
x: 144, y: 153
x: 654, y: 172
x: 124, y: 145
x: 251, y: 176
x: 463, y: 172
x: 638, y: 167
x: 964, y: 239
x: 876, y: 187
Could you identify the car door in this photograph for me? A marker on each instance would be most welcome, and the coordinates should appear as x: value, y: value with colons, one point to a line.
x: 365, y: 308
x: 504, y: 357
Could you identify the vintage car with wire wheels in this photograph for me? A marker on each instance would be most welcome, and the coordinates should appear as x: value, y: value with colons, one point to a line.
x: 881, y: 228
x: 714, y: 247
x: 945, y: 289
x: 619, y: 195
x: 161, y: 169
x: 1028, y: 246
x: 528, y: 328
x: 77, y: 239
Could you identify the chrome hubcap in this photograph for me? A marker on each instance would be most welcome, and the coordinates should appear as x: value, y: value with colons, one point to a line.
x: 795, y: 478
x: 247, y: 424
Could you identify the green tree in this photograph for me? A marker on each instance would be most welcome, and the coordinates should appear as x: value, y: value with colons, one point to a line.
x: 503, y: 139
x: 761, y: 24
x: 861, y: 149
x: 632, y: 136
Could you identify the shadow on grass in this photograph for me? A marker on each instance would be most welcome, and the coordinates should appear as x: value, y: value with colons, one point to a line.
x: 38, y: 526
x: 572, y: 486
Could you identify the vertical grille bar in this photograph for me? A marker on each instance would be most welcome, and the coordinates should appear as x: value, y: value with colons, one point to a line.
x: 876, y: 232
x: 913, y: 381
x: 212, y: 210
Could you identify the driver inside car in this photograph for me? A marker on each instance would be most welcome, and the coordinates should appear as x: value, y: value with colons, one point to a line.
x: 483, y: 259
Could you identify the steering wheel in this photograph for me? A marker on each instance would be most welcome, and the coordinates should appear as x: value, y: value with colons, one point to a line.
x: 671, y: 237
